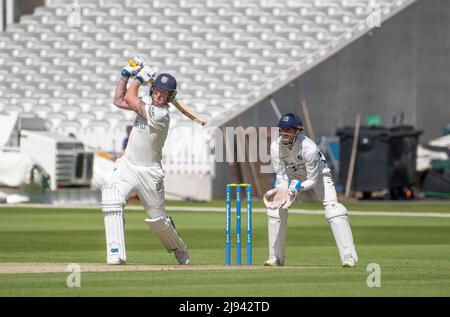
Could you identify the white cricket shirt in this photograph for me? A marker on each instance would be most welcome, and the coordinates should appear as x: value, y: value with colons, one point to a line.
x: 303, y: 162
x: 147, y: 137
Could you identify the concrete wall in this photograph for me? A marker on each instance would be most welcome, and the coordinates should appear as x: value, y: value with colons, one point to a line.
x: 22, y: 7
x: 433, y: 66
x: 403, y: 66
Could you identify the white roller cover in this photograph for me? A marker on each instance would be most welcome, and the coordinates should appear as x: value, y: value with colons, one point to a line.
x: 8, y: 122
x: 443, y: 141
x: 15, y: 169
x: 163, y: 228
x: 425, y: 156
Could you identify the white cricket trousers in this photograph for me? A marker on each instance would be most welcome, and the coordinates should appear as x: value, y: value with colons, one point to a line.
x: 325, y: 190
x: 146, y: 180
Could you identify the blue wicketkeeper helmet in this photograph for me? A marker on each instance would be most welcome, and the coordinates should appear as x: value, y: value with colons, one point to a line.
x: 290, y: 121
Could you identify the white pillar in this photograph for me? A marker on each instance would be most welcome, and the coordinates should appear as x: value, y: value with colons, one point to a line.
x: 9, y: 12
x: 2, y: 13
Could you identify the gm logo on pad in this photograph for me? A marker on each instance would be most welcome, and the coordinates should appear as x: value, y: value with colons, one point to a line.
x: 115, y: 250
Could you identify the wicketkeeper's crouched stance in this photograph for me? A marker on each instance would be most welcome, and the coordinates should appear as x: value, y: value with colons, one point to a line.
x: 300, y: 166
x: 140, y: 168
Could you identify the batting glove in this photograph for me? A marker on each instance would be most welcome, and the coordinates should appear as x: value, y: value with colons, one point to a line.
x: 146, y: 75
x: 134, y: 66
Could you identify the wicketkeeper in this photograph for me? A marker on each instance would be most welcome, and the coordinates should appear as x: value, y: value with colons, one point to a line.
x: 139, y: 169
x: 300, y: 166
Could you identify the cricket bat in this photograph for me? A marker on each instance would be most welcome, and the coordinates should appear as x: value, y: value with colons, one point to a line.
x: 136, y: 61
x: 188, y: 112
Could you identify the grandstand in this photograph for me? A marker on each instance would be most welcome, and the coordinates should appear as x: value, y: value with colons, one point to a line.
x: 226, y: 55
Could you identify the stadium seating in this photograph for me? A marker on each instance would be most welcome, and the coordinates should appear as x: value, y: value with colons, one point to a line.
x: 227, y: 55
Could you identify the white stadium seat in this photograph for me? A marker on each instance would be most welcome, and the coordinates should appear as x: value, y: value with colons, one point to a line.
x: 222, y: 52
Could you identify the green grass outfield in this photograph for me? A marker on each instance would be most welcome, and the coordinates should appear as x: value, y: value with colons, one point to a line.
x: 413, y: 253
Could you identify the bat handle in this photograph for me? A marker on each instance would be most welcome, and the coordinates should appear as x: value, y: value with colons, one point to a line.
x: 136, y: 61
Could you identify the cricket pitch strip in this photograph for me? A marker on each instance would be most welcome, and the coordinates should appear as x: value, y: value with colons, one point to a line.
x: 42, y: 267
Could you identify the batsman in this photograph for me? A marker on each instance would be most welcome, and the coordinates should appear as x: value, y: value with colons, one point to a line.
x: 139, y: 169
x: 300, y: 166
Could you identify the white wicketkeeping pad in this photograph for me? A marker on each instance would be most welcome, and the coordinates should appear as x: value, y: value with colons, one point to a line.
x: 277, y: 223
x: 343, y: 235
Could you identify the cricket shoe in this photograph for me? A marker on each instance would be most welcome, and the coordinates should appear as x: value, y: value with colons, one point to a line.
x: 272, y: 262
x: 182, y: 256
x: 115, y: 260
x: 349, y: 262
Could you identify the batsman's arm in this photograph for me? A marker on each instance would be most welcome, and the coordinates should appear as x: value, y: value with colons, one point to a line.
x: 131, y: 69
x: 133, y: 101
x: 119, y: 95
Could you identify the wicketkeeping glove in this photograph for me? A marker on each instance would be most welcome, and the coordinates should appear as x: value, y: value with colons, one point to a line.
x: 294, y: 187
x: 146, y: 75
x: 134, y: 66
x: 290, y: 199
x: 276, y: 198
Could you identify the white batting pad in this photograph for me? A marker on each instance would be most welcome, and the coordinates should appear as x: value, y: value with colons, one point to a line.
x: 163, y: 228
x: 337, y: 216
x: 114, y: 225
x: 277, y: 223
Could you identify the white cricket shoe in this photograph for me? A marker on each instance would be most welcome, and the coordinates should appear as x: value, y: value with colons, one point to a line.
x: 115, y: 260
x: 272, y: 262
x: 182, y: 257
x: 349, y: 262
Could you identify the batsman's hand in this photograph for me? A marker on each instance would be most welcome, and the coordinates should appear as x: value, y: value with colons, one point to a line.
x: 146, y: 75
x: 134, y: 66
x: 276, y: 198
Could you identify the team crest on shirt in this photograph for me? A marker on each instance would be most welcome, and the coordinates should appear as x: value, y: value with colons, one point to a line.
x: 299, y: 157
